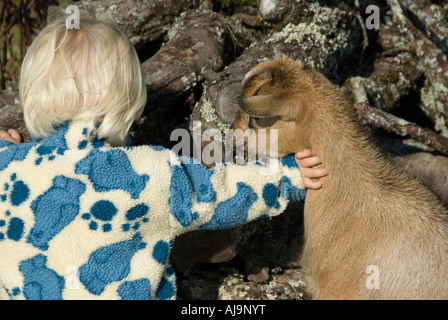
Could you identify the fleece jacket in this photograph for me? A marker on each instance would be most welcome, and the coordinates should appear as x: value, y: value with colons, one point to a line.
x: 82, y: 219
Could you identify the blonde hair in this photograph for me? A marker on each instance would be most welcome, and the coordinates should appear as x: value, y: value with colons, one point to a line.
x: 91, y: 74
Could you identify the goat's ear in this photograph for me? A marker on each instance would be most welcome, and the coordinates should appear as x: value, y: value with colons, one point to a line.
x: 267, y: 106
x: 267, y: 74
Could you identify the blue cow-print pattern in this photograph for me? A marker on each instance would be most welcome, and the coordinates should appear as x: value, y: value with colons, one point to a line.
x: 80, y: 219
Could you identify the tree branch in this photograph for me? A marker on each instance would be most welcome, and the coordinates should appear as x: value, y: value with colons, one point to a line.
x: 391, y: 123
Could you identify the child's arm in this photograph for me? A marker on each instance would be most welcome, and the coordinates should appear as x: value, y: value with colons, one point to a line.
x: 231, y: 195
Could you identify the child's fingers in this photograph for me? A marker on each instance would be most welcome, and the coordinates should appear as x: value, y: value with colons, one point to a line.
x: 11, y: 135
x: 309, y: 162
x: 318, y: 173
x: 304, y: 154
x: 314, y: 172
x: 15, y: 135
x: 310, y: 184
x: 4, y: 134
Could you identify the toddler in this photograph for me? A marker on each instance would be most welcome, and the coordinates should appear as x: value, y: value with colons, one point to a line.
x: 83, y: 215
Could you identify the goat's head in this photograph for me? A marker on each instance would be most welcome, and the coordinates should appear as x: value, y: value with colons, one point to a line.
x: 275, y: 95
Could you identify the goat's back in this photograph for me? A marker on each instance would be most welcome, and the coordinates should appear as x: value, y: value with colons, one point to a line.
x: 393, y: 245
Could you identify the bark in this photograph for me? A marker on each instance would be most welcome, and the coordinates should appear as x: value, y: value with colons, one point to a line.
x: 431, y: 47
x: 199, y: 41
x: 431, y: 169
x: 413, y: 59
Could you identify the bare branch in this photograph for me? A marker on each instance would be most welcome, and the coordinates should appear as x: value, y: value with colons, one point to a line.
x: 391, y: 123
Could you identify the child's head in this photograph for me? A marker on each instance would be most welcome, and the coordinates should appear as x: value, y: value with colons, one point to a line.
x: 91, y: 74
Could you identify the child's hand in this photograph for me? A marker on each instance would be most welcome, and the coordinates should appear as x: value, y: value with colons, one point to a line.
x: 11, y: 135
x: 306, y: 161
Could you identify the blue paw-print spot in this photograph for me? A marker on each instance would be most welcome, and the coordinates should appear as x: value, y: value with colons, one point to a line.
x: 289, y: 161
x: 84, y: 143
x: 54, y: 210
x: 234, y: 211
x: 135, y: 216
x: 109, y: 264
x: 11, y: 228
x: 270, y: 195
x: 112, y: 170
x: 161, y: 251
x: 166, y: 290
x: 14, y: 292
x: 103, y: 211
x: 48, y: 152
x: 135, y: 290
x: 53, y: 146
x: 40, y: 282
x: 14, y: 153
x: 18, y: 193
x: 291, y: 192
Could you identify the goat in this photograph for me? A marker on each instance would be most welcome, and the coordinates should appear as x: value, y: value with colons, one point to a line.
x: 369, y: 216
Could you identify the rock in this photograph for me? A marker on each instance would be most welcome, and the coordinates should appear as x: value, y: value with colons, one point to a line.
x: 276, y: 11
x: 431, y: 169
x: 287, y: 285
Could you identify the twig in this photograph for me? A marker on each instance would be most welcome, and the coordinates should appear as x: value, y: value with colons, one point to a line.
x: 391, y: 123
x: 433, y: 53
x: 424, y: 20
x: 397, y: 11
x: 365, y: 42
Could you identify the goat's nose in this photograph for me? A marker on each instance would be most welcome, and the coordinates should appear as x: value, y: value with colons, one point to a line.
x: 242, y: 103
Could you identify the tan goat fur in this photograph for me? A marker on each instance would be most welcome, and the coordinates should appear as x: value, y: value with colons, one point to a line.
x: 368, y: 212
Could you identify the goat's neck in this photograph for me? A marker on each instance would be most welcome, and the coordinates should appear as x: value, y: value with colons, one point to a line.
x: 346, y: 152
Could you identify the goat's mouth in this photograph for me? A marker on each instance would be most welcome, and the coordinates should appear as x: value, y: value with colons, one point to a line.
x: 256, y: 122
x: 252, y: 122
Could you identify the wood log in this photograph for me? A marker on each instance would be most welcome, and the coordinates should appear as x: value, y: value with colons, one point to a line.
x: 142, y: 21
x: 198, y: 42
x: 391, y: 123
x: 425, y: 35
x: 323, y: 39
x: 392, y: 73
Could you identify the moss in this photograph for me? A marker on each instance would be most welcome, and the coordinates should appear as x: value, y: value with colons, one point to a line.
x: 319, y: 35
x: 393, y: 84
x: 103, y: 13
x: 434, y: 108
x: 208, y: 113
x: 189, y: 81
